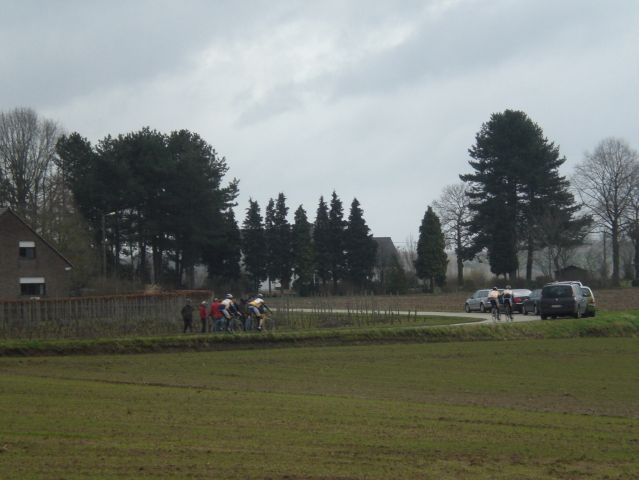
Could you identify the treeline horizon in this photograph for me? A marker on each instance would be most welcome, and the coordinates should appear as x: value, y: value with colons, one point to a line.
x: 150, y: 206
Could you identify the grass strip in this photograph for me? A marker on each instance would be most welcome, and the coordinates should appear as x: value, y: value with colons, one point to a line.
x: 611, y: 324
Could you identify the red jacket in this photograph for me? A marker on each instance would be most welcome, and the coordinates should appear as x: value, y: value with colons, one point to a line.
x: 215, y: 310
x: 202, y: 309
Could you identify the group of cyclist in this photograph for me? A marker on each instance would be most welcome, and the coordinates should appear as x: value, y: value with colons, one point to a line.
x: 504, y: 298
x: 227, y: 315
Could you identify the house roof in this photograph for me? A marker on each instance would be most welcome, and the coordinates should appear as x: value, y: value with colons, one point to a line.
x: 5, y: 210
x: 385, y: 248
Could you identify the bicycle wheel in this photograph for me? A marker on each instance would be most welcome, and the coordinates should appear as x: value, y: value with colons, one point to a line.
x: 236, y: 325
x: 269, y: 324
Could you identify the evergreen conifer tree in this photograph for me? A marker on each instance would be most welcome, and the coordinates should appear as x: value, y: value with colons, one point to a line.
x: 282, y: 247
x: 270, y: 242
x: 431, y: 260
x: 253, y: 245
x: 359, y: 246
x: 321, y: 242
x: 336, y: 227
x: 515, y: 182
x: 303, y: 253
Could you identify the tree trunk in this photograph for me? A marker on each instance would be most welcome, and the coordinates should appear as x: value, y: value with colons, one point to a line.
x: 460, y: 259
x: 142, y: 267
x: 157, y: 262
x: 615, y: 254
x: 529, y: 257
x: 636, y: 244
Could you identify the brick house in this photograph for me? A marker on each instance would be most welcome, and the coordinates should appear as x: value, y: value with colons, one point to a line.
x: 29, y: 265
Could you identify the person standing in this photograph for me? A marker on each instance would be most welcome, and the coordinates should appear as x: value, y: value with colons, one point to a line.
x: 216, y: 315
x: 187, y: 316
x: 203, y: 315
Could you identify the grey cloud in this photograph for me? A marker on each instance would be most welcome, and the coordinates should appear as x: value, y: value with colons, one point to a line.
x: 53, y: 51
x: 483, y: 35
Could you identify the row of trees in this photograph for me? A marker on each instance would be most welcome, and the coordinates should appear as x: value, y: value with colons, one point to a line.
x: 151, y: 206
x: 161, y: 202
x: 515, y: 200
x: 332, y: 249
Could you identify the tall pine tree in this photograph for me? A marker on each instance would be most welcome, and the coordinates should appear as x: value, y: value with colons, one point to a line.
x: 431, y: 260
x: 282, y: 248
x: 303, y: 252
x: 321, y: 242
x: 270, y: 241
x: 253, y: 245
x: 359, y: 246
x: 336, y: 227
x: 515, y: 182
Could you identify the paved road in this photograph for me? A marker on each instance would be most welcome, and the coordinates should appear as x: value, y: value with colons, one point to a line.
x: 485, y: 317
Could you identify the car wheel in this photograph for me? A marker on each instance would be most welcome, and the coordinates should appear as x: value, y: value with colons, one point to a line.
x: 467, y: 308
x: 481, y: 308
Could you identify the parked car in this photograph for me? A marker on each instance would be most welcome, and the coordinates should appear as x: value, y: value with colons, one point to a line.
x: 590, y: 298
x: 562, y: 299
x: 478, y: 301
x: 520, y: 295
x: 531, y: 304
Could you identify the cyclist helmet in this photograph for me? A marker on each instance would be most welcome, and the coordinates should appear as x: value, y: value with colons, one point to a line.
x: 494, y: 288
x: 228, y: 295
x: 508, y: 287
x: 259, y: 295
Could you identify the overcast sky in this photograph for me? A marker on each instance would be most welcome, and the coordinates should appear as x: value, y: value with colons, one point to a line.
x: 377, y: 100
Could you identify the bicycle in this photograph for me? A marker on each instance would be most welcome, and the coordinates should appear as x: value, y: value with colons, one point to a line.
x: 509, y: 311
x: 494, y: 312
x: 235, y: 324
x: 267, y: 323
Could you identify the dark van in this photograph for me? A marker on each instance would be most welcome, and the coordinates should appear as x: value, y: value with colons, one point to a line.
x: 562, y: 299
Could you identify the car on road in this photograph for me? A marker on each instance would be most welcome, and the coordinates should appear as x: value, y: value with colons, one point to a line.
x: 520, y: 295
x: 562, y: 299
x: 531, y: 304
x: 478, y: 301
x: 590, y: 300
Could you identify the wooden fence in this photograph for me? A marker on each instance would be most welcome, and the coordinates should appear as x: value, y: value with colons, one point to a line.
x: 92, y: 317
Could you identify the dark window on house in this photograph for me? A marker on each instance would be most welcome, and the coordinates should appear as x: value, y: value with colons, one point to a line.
x: 27, y: 250
x: 33, y: 289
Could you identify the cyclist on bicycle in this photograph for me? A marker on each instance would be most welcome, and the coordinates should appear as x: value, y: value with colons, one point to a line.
x: 257, y: 307
x: 507, y: 296
x: 493, y: 297
x: 228, y: 309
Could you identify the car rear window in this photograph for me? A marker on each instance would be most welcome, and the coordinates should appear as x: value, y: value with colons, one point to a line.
x: 557, y: 291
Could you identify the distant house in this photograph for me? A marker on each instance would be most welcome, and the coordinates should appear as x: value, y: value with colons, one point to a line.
x: 572, y: 272
x: 386, y: 250
x: 29, y: 265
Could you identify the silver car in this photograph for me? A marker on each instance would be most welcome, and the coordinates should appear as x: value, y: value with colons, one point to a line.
x: 478, y: 301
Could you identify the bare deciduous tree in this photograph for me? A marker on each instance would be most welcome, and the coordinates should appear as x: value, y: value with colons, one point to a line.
x: 455, y: 215
x: 605, y: 181
x: 27, y: 150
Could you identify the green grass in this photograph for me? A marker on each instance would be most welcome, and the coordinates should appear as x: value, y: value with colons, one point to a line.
x: 436, y: 329
x: 527, y: 409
